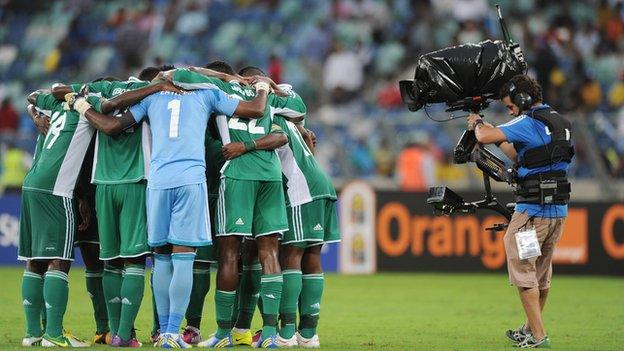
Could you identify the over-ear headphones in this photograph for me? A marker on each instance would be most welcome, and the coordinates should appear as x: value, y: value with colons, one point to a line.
x: 521, y: 99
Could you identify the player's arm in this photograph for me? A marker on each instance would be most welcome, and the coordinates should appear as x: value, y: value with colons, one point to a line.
x: 308, y: 137
x: 32, y: 97
x: 271, y: 141
x: 216, y: 74
x: 108, y: 124
x: 247, y: 109
x: 59, y: 91
x: 132, y: 97
x: 41, y: 121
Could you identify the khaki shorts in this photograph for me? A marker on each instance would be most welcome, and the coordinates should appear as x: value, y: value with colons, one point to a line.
x: 536, y: 271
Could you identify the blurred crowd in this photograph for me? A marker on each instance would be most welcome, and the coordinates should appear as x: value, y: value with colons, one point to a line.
x: 344, y: 57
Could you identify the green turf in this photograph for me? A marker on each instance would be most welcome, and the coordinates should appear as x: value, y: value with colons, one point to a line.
x: 399, y: 312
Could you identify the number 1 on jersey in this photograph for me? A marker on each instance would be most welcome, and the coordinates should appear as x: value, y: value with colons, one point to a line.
x: 174, y: 106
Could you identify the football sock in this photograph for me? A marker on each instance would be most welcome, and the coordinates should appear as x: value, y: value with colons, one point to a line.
x: 288, y: 305
x: 201, y: 286
x: 32, y: 299
x: 224, y: 300
x: 248, y: 295
x: 111, y: 283
x: 96, y: 293
x: 163, y: 271
x: 270, y: 293
x: 236, y: 306
x: 132, y: 289
x: 55, y: 291
x: 155, y: 323
x: 180, y: 289
x: 44, y: 317
x: 310, y: 305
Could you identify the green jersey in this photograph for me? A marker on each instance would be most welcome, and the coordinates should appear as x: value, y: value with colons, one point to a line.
x: 254, y: 165
x: 122, y: 158
x: 59, y: 156
x: 304, y: 179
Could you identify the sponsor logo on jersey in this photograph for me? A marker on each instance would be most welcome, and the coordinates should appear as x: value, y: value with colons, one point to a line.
x: 239, y: 221
x: 125, y: 301
x: 26, y: 303
x: 318, y: 226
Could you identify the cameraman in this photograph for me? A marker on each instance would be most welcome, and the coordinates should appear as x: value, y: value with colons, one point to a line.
x: 538, y: 141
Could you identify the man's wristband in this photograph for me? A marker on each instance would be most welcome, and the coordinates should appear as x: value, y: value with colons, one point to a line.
x: 478, y: 122
x: 263, y: 86
x: 250, y: 145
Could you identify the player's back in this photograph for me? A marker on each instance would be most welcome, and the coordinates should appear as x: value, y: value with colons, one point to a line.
x: 178, y: 125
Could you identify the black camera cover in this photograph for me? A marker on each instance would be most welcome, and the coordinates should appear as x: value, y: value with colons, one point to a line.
x: 462, y: 71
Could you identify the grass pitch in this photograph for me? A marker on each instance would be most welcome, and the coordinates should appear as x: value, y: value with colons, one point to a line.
x: 397, y: 312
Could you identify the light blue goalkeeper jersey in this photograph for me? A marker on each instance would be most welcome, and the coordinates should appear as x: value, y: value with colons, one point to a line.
x: 178, y: 125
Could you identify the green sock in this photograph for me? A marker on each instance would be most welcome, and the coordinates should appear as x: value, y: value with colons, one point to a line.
x: 288, y: 305
x: 271, y: 294
x: 236, y: 307
x: 224, y: 300
x: 201, y: 286
x: 310, y: 303
x: 155, y: 322
x: 96, y: 293
x: 55, y: 291
x: 132, y: 288
x: 32, y: 299
x: 111, y: 281
x: 44, y: 317
x: 248, y: 296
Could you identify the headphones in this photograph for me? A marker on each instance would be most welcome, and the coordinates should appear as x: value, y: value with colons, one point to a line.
x: 521, y: 99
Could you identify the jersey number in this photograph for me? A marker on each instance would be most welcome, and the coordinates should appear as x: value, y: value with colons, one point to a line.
x: 56, y: 126
x: 174, y: 106
x: 251, y: 127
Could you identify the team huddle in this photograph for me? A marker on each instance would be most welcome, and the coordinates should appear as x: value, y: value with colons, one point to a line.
x: 194, y: 167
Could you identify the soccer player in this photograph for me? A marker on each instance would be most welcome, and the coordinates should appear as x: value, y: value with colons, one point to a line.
x: 120, y: 172
x: 248, y: 206
x: 48, y: 221
x: 177, y: 208
x: 311, y: 205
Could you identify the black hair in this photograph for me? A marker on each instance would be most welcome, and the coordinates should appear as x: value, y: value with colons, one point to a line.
x: 522, y: 84
x: 106, y: 78
x: 149, y: 73
x: 220, y: 66
x: 251, y: 71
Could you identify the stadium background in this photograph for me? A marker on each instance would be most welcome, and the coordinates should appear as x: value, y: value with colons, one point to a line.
x: 345, y: 58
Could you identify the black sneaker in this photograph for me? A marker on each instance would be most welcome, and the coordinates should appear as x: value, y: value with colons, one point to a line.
x: 531, y: 343
x: 517, y: 335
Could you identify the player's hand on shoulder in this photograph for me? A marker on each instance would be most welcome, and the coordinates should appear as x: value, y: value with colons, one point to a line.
x: 165, y: 85
x: 233, y: 150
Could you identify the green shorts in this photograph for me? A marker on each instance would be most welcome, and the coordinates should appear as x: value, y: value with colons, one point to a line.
x: 313, y: 223
x: 206, y: 253
x: 122, y: 220
x: 47, y: 227
x: 250, y: 208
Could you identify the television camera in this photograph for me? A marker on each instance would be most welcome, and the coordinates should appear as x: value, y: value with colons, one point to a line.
x: 466, y: 78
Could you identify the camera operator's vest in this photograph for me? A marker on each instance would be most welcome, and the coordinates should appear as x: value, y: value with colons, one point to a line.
x: 552, y: 187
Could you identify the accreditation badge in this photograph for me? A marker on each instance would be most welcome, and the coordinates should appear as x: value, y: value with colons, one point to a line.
x: 528, y: 245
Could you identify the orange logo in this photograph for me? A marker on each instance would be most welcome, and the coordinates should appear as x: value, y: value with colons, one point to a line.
x: 400, y: 233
